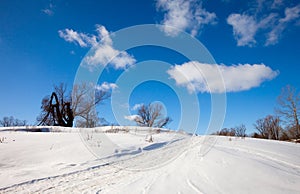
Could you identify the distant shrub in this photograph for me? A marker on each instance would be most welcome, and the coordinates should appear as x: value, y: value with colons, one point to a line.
x: 284, y: 136
x: 226, y: 132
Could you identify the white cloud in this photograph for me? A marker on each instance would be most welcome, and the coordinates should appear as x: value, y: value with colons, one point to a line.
x: 273, y: 35
x: 132, y: 117
x: 104, y: 35
x: 137, y: 106
x: 268, y: 21
x: 184, y: 15
x: 104, y: 51
x: 244, y: 28
x: 82, y: 39
x: 106, y: 86
x: 49, y: 10
x: 105, y: 54
x: 201, y: 77
x: 291, y: 14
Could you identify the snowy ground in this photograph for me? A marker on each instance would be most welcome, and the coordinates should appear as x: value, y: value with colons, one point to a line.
x: 123, y: 162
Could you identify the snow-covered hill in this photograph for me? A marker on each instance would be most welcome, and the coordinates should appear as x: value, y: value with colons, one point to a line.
x: 125, y: 161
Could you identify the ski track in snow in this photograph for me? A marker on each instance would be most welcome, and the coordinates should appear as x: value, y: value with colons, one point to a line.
x: 263, y: 155
x: 197, y: 165
x: 193, y: 186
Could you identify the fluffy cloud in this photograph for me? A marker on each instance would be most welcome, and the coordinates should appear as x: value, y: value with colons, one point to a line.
x: 106, y: 86
x: 83, y: 40
x: 104, y: 51
x: 246, y: 26
x: 132, y: 117
x: 105, y: 54
x: 201, y: 77
x: 184, y: 15
x: 291, y: 14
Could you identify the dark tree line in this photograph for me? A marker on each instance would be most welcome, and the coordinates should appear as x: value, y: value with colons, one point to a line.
x: 238, y: 131
x: 283, y: 125
x: 11, y: 122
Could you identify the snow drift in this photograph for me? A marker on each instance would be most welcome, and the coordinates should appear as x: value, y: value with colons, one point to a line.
x: 125, y: 161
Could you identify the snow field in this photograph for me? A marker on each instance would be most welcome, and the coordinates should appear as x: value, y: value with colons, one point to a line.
x: 172, y: 163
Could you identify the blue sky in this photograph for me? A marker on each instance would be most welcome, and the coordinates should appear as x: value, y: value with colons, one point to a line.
x: 254, y: 43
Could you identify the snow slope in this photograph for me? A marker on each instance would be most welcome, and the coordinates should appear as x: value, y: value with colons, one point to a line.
x: 123, y: 162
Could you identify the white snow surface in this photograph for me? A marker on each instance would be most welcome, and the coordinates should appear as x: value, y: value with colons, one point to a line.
x: 95, y: 161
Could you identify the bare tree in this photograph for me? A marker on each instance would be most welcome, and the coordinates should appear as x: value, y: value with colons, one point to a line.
x: 261, y: 128
x: 240, y: 131
x: 88, y: 120
x: 289, y: 103
x: 151, y: 116
x: 85, y: 98
x: 273, y: 123
x: 56, y: 109
x: 269, y: 127
x: 78, y: 104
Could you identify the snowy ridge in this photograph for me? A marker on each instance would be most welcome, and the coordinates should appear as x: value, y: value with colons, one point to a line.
x: 40, y: 129
x: 172, y: 163
x: 112, y: 128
